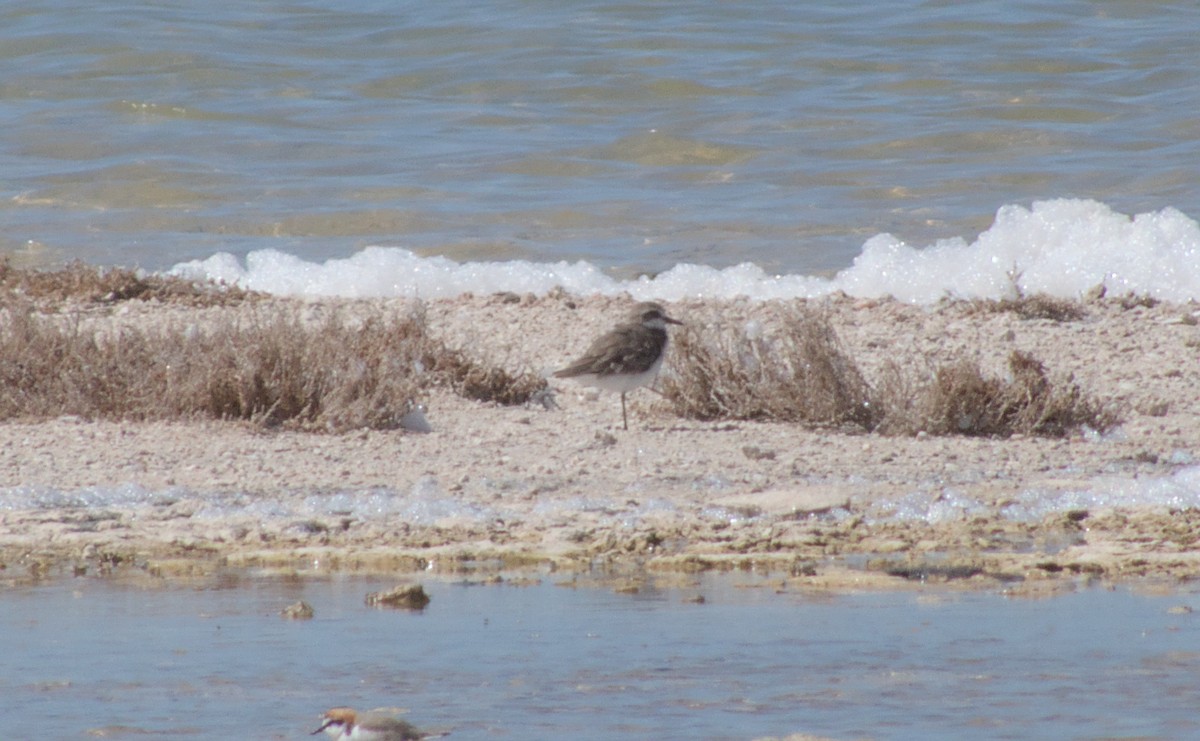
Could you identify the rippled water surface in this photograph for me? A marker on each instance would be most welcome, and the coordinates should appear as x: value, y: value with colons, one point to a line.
x: 633, y: 135
x: 87, y: 657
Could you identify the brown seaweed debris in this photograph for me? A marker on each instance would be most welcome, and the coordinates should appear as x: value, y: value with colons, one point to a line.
x: 297, y: 611
x: 399, y: 598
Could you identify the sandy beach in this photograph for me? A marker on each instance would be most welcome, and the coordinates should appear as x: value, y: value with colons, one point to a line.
x: 561, y: 485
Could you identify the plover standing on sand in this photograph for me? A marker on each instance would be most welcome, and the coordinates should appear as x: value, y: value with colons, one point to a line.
x: 344, y: 724
x: 626, y: 357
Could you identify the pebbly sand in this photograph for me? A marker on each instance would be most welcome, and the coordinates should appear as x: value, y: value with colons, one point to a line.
x: 567, y: 488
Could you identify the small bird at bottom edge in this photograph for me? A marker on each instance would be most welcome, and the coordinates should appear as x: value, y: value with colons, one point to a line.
x: 345, y: 724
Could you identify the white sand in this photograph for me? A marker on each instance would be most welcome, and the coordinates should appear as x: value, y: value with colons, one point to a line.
x: 573, y: 488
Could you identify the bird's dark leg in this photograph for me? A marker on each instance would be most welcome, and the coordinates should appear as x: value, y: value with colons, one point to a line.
x: 624, y: 417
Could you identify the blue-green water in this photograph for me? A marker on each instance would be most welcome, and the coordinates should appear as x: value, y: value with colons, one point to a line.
x: 632, y: 135
x: 545, y: 662
x: 636, y: 136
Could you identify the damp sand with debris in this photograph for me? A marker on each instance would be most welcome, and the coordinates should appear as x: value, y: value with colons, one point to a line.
x: 556, y: 482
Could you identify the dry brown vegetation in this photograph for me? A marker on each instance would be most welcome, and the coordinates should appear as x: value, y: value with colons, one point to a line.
x: 82, y: 283
x: 272, y: 367
x: 267, y: 366
x: 959, y: 399
x: 1037, y: 306
x: 801, y: 373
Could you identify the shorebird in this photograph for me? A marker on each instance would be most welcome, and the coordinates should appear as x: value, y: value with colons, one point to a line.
x: 626, y: 357
x: 344, y: 724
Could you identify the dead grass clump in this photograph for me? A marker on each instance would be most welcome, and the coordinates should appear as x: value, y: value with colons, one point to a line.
x: 268, y: 367
x: 1037, y: 306
x: 472, y: 379
x: 799, y: 374
x: 277, y: 369
x: 960, y: 400
x: 1052, y: 410
x: 48, y: 370
x: 1134, y: 301
x: 89, y: 284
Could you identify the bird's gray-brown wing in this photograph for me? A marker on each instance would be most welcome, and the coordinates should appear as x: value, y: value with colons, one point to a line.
x: 393, y: 728
x: 630, y: 348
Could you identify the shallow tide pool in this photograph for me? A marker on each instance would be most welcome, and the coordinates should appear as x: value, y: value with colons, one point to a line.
x: 556, y: 658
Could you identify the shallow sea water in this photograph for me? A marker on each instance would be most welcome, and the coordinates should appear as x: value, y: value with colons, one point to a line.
x: 88, y: 657
x: 632, y: 135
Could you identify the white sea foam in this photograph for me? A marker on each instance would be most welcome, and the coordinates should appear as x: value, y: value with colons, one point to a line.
x: 425, y: 502
x: 1178, y: 490
x: 124, y: 496
x: 1060, y: 247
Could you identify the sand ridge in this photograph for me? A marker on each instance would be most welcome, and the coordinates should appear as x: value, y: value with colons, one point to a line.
x: 561, y: 484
